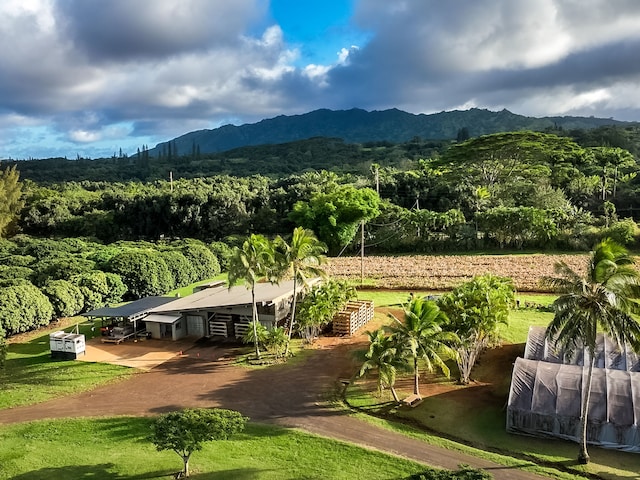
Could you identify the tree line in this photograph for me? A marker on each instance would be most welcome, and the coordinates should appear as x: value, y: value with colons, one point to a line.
x: 512, y: 190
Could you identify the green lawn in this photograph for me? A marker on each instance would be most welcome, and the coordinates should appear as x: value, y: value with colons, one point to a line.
x: 188, y: 290
x: 31, y: 375
x: 112, y: 448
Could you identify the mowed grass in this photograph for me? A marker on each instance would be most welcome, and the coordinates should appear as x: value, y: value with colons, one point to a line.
x: 32, y: 376
x: 118, y: 447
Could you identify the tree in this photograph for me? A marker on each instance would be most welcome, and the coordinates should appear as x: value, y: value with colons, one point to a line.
x: 384, y: 356
x: 184, y: 432
x: 23, y: 307
x: 144, y: 272
x: 607, y: 298
x: 10, y: 198
x: 336, y: 216
x: 421, y: 337
x: 252, y: 262
x: 475, y: 310
x: 302, y: 257
x: 320, y: 305
x: 65, y: 297
x: 3, y: 349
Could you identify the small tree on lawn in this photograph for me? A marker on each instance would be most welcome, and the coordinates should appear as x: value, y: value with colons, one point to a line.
x: 184, y: 432
x: 384, y: 356
x: 475, y: 310
x: 421, y: 337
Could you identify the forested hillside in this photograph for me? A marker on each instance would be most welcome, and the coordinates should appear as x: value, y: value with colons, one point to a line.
x: 278, y: 160
x: 361, y: 126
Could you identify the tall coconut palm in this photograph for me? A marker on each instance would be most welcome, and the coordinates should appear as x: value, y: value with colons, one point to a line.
x: 421, y: 337
x: 605, y: 298
x: 252, y: 262
x: 384, y: 356
x: 302, y: 258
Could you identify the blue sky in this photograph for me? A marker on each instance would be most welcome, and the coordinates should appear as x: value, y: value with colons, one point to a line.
x: 91, y: 77
x: 319, y: 28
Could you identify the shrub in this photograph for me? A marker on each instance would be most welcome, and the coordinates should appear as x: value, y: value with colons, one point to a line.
x: 22, y: 308
x: 66, y: 298
x: 144, y: 273
x: 223, y: 252
x: 623, y: 232
x: 99, y: 288
x: 205, y: 263
x: 180, y: 267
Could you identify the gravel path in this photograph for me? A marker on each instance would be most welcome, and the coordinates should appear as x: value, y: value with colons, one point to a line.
x: 292, y: 396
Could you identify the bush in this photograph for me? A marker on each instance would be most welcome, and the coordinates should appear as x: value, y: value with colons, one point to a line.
x: 143, y: 272
x: 180, y: 267
x: 464, y: 473
x: 623, y: 232
x: 223, y: 252
x: 205, y: 263
x: 59, y: 268
x: 99, y: 288
x: 22, y: 308
x: 66, y: 298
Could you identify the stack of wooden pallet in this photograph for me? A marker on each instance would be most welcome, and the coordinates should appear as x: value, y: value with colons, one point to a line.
x: 352, y: 317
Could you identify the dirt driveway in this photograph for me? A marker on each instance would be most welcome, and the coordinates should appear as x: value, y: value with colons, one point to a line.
x: 292, y: 396
x: 142, y: 354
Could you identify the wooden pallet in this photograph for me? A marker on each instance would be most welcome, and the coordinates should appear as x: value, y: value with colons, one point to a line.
x: 354, y: 316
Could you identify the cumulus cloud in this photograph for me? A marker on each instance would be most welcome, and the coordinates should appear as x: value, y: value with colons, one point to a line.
x: 93, y: 71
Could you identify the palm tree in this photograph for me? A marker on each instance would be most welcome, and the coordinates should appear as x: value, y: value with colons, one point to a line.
x: 421, y: 337
x: 252, y: 262
x: 606, y: 298
x: 302, y: 258
x: 384, y: 356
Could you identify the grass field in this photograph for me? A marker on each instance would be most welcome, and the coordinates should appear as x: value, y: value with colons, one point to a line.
x: 116, y: 448
x: 31, y: 375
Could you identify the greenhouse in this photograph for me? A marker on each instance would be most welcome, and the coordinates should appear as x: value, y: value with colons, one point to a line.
x: 546, y: 393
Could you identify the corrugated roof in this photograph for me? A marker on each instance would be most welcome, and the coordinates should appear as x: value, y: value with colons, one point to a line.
x: 131, y: 309
x: 154, y: 317
x: 228, y: 297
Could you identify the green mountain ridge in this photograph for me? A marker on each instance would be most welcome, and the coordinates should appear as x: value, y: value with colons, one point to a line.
x: 360, y: 126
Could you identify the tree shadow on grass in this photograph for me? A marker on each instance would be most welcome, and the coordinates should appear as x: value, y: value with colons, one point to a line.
x: 94, y: 472
x: 233, y: 474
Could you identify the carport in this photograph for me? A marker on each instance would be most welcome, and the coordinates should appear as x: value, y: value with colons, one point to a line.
x: 128, y: 320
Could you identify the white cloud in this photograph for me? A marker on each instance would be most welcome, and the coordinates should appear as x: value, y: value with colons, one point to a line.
x: 176, y: 65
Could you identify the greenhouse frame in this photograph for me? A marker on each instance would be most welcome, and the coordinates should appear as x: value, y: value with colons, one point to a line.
x: 545, y: 397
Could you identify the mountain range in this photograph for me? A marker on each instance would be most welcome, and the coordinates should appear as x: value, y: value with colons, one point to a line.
x: 361, y: 126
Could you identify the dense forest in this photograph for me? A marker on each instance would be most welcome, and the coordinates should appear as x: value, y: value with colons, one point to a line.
x: 73, y: 245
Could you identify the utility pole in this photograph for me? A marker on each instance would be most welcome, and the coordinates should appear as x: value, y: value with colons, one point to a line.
x: 377, y: 180
x: 171, y: 180
x: 362, y: 254
x: 418, y: 208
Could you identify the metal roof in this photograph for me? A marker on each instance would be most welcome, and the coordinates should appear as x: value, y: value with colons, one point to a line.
x: 131, y: 310
x: 266, y: 293
x: 154, y: 317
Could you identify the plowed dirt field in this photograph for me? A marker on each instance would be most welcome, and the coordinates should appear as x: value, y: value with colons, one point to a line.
x: 442, y: 272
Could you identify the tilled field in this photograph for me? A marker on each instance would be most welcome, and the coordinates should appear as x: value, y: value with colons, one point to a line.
x: 442, y: 272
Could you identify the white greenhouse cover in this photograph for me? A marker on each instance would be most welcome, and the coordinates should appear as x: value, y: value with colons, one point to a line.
x: 546, y: 393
